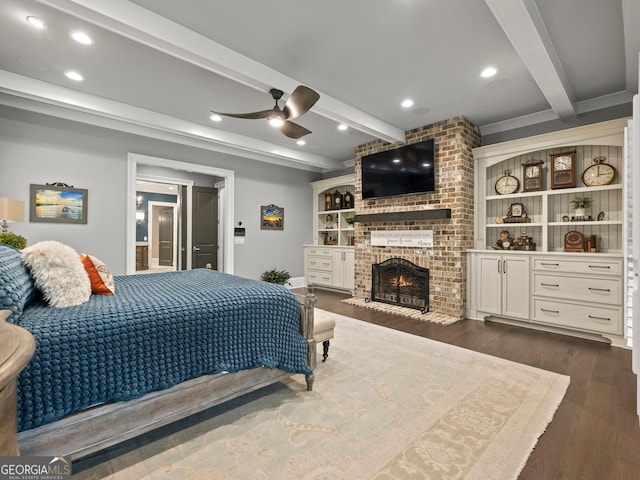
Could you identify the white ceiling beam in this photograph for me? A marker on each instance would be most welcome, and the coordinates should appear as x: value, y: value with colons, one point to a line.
x: 49, y: 99
x: 145, y: 27
x: 523, y: 26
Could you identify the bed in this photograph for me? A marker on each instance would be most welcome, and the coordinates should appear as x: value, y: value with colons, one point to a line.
x: 165, y: 346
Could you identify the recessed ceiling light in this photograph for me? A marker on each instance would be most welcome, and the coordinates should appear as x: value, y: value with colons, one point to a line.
x: 407, y: 103
x: 276, y: 122
x: 215, y: 117
x: 301, y: 142
x: 488, y: 72
x: 342, y: 126
x: 72, y: 75
x: 81, y: 37
x: 36, y: 22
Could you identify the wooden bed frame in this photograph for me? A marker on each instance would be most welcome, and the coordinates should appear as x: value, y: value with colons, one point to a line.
x: 84, y: 433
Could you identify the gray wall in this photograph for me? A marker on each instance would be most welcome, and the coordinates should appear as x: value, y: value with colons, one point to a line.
x: 40, y: 149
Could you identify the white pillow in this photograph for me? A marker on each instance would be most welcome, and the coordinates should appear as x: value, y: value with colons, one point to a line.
x: 58, y: 272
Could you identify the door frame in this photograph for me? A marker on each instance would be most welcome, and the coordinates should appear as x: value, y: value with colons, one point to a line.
x: 225, y: 206
x: 174, y: 209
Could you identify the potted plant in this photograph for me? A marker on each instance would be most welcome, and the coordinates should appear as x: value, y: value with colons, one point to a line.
x: 350, y: 220
x: 580, y: 204
x: 281, y: 277
x: 16, y: 241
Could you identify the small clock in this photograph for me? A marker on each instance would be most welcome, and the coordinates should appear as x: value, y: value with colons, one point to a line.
x: 532, y: 176
x: 328, y: 201
x: 337, y: 200
x: 563, y: 170
x: 599, y: 173
x: 507, y: 184
x: 573, y: 241
x: 348, y: 200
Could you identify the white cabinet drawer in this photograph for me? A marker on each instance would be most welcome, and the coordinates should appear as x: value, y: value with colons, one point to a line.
x: 591, y: 266
x: 320, y: 263
x: 319, y: 278
x: 319, y: 252
x: 578, y: 316
x: 604, y: 290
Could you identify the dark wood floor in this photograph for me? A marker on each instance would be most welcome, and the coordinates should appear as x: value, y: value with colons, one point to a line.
x: 595, y: 432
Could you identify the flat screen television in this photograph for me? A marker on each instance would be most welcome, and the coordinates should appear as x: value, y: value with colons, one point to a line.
x: 403, y: 171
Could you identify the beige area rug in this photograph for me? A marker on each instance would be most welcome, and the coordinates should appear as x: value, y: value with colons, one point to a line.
x: 404, y: 311
x: 386, y: 405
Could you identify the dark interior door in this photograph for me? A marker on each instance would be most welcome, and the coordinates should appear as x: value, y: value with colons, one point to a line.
x: 165, y: 236
x: 205, y: 228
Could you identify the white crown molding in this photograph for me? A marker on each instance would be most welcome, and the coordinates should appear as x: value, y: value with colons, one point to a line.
x: 45, y: 98
x: 610, y: 132
x: 585, y: 106
x: 155, y: 31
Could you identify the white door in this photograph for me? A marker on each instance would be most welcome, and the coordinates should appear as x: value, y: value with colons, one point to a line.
x: 515, y: 287
x: 349, y: 269
x: 489, y: 284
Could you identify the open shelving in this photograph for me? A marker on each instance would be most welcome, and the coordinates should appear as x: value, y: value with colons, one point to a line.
x: 547, y: 208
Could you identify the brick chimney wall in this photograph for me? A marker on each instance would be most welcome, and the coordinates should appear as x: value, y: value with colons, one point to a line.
x: 446, y: 261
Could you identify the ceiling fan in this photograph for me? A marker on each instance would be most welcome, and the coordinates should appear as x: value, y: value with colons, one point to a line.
x: 300, y: 101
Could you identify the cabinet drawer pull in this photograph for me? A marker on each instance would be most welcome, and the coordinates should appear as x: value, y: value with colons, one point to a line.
x: 600, y: 289
x: 599, y: 318
x: 549, y: 284
x: 550, y: 264
x: 550, y: 311
x: 599, y: 266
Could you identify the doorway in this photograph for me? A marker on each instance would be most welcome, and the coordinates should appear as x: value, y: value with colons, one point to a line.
x: 225, y: 188
x: 163, y: 236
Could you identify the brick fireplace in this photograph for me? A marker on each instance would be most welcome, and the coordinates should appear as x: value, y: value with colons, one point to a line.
x: 446, y: 260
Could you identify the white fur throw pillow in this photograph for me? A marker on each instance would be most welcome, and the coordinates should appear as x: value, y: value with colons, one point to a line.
x: 58, y: 272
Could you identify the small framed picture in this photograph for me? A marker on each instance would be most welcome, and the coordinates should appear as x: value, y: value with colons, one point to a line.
x: 57, y: 204
x: 271, y: 217
x: 516, y: 210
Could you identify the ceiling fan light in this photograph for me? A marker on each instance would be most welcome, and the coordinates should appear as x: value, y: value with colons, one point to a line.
x: 276, y: 122
x: 214, y: 117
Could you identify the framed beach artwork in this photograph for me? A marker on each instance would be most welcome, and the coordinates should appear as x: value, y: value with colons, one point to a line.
x: 271, y: 217
x: 56, y: 203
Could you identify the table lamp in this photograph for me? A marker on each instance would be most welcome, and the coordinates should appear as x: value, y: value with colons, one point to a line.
x: 11, y: 210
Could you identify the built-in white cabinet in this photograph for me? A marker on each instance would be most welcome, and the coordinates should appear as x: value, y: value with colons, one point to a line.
x: 504, y: 289
x: 582, y: 293
x: 549, y: 286
x: 330, y: 261
x: 343, y: 268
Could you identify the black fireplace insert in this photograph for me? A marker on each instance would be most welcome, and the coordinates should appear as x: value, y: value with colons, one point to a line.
x: 400, y: 282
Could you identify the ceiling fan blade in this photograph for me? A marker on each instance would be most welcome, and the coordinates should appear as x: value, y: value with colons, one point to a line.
x: 293, y: 130
x: 250, y: 115
x: 300, y: 101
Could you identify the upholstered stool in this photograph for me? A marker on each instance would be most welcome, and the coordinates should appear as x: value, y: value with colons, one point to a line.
x: 323, y: 325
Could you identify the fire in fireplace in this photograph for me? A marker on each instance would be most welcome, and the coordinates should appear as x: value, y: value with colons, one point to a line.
x: 400, y: 282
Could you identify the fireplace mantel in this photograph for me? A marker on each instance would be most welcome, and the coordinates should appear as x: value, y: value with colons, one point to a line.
x: 431, y: 214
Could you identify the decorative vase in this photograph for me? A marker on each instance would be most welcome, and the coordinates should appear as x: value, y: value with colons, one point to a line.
x: 580, y: 213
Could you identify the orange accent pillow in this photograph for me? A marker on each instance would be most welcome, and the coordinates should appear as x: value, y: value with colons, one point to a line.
x: 100, y: 276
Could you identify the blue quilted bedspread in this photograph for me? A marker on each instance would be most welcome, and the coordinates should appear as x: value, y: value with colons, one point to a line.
x: 157, y: 331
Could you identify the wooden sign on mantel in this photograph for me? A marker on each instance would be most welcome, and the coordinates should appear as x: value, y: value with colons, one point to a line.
x: 402, y: 238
